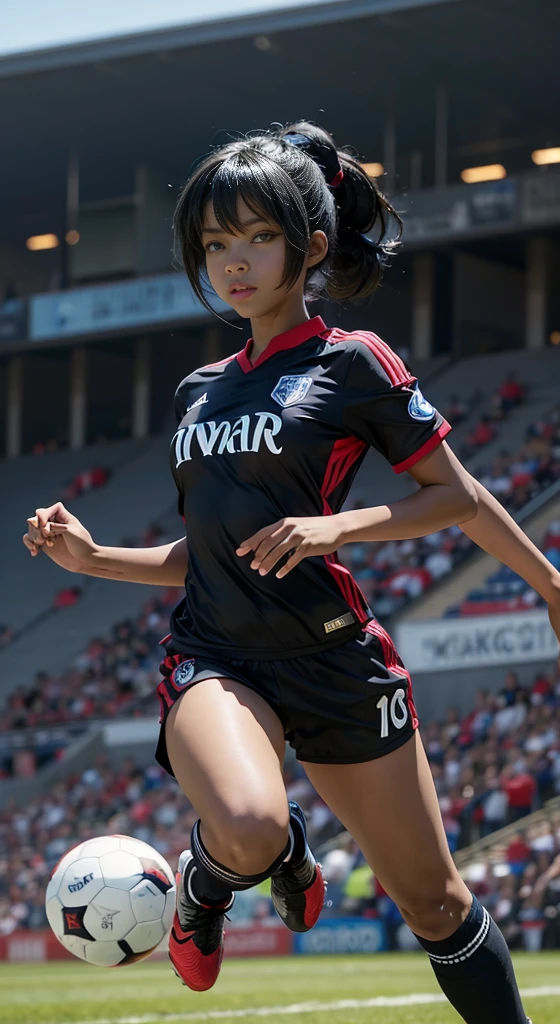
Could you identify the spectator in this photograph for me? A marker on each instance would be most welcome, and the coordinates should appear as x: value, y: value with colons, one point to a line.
x: 87, y: 480
x: 520, y: 788
x: 67, y: 597
x: 511, y: 392
x: 483, y: 433
x: 494, y: 802
x: 455, y: 411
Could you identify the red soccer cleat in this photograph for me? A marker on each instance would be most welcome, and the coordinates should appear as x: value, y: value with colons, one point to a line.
x: 196, y: 941
x: 298, y: 890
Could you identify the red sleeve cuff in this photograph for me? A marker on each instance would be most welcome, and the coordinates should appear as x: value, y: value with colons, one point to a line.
x: 429, y: 446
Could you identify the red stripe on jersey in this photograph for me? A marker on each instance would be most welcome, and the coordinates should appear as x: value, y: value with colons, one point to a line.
x: 389, y: 361
x: 393, y: 663
x: 220, y: 362
x: 428, y: 446
x: 344, y: 453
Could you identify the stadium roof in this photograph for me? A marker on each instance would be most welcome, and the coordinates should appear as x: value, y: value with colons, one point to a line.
x: 193, y: 29
x: 163, y: 98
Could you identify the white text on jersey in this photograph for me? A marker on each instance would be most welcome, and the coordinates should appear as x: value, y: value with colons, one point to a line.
x: 215, y: 438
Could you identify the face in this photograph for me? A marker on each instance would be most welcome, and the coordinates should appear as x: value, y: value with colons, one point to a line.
x: 246, y: 269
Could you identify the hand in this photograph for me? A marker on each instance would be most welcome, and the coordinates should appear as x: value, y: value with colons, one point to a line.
x: 303, y: 537
x: 61, y: 536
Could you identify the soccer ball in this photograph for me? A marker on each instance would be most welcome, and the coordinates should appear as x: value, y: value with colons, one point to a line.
x: 111, y: 900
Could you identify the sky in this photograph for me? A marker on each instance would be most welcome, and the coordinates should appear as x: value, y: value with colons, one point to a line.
x: 39, y: 24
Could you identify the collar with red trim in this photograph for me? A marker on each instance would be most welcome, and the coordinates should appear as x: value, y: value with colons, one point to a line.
x: 289, y: 339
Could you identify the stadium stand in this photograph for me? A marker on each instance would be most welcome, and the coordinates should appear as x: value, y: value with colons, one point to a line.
x: 112, y: 677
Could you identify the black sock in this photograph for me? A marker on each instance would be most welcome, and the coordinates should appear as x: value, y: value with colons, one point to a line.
x: 297, y: 859
x: 474, y: 970
x: 212, y: 882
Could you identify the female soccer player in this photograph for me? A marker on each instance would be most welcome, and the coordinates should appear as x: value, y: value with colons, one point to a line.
x: 274, y: 639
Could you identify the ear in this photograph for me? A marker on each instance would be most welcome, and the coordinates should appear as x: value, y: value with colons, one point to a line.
x: 318, y: 248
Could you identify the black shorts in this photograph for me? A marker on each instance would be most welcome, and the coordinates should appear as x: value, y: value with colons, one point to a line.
x: 345, y: 705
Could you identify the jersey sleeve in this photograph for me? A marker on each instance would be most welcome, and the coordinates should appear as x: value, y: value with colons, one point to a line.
x: 384, y: 406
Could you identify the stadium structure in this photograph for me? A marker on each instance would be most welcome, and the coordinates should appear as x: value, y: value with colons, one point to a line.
x: 452, y: 103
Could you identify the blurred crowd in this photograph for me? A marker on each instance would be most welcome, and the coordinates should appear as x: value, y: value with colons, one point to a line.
x: 510, y: 393
x: 499, y: 762
x: 519, y: 882
x: 112, y: 677
x: 516, y: 478
x: 396, y: 572
x: 86, y: 480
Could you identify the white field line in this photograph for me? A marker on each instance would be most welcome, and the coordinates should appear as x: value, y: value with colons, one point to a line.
x: 415, y: 999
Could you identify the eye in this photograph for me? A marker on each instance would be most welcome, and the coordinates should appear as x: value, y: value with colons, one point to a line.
x: 267, y: 235
x: 208, y: 249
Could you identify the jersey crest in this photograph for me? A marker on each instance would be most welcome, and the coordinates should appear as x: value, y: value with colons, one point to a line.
x: 184, y: 673
x: 419, y: 407
x: 291, y: 390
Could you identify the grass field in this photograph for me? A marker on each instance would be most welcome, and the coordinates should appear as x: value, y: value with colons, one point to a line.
x: 316, y: 990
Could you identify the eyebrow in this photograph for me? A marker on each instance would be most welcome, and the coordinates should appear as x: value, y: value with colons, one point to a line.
x: 244, y: 224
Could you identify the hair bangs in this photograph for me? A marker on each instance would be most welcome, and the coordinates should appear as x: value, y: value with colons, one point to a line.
x: 269, y: 192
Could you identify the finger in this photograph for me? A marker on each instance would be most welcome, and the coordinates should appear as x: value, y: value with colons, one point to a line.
x: 270, y: 544
x: 253, y: 542
x: 57, y: 512
x: 280, y: 551
x: 293, y: 560
x: 57, y: 528
x: 35, y: 534
x: 30, y: 545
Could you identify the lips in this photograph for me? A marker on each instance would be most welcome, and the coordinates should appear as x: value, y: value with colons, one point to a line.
x: 241, y: 290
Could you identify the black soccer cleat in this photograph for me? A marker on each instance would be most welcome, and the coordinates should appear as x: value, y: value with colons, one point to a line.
x: 297, y: 888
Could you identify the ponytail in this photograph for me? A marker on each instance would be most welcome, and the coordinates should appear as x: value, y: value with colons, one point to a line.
x: 356, y: 260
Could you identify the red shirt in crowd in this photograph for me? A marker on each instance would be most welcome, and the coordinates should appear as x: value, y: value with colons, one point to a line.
x: 520, y: 790
x: 511, y: 391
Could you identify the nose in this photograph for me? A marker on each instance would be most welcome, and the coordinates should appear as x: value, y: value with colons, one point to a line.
x: 237, y: 265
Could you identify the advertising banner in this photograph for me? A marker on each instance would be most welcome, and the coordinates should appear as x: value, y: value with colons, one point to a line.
x: 258, y: 940
x: 254, y: 940
x: 460, y: 210
x: 476, y: 642
x: 13, y: 321
x: 113, y: 307
x: 343, y: 935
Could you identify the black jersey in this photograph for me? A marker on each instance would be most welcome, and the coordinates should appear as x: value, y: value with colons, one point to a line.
x: 284, y: 437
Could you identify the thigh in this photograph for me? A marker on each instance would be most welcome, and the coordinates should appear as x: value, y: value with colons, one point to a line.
x: 226, y: 747
x: 390, y: 807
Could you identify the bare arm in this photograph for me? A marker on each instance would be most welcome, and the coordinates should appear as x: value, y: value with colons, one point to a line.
x: 494, y: 530
x: 446, y: 497
x: 162, y: 566
x: 66, y: 541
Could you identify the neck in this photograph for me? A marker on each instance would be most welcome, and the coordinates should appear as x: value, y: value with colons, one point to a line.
x: 277, y: 321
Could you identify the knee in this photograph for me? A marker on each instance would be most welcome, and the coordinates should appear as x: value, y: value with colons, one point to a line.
x: 436, y: 912
x: 248, y: 841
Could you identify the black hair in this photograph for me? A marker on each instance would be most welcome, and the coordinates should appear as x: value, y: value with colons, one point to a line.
x: 297, y: 178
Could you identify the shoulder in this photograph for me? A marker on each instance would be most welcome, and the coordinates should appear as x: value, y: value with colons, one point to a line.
x: 192, y: 388
x: 205, y: 374
x: 367, y: 353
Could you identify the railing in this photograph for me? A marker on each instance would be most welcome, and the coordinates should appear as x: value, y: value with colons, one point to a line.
x: 550, y: 812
